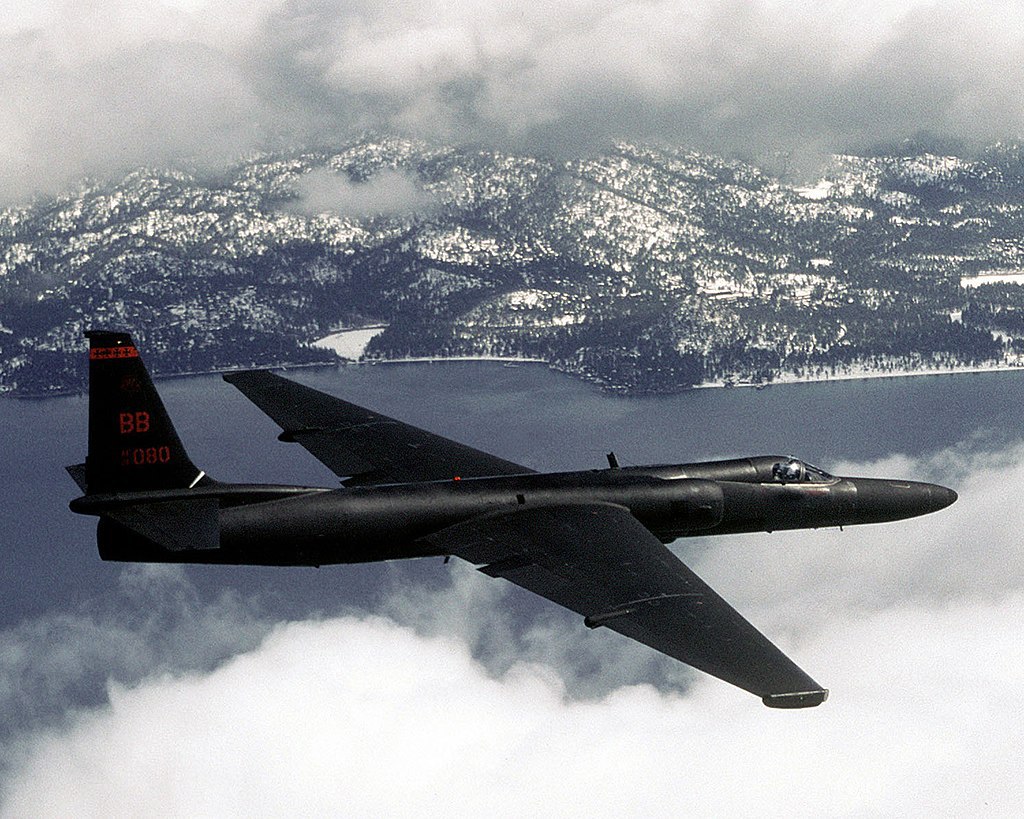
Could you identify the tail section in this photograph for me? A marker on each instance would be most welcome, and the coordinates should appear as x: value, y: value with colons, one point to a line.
x: 132, y: 443
x: 153, y: 503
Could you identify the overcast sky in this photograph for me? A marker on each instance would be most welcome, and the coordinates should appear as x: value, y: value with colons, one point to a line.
x: 95, y: 87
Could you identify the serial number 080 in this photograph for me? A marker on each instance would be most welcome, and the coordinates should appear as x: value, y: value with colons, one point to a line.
x: 146, y: 456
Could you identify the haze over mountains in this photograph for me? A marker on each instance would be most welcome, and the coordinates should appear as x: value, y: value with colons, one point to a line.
x: 644, y: 268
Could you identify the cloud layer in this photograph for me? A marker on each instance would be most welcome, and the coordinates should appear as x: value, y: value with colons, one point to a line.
x: 365, y: 717
x: 451, y: 701
x: 96, y: 88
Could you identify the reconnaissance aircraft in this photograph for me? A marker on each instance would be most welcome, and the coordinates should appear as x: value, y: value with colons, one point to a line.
x: 592, y: 541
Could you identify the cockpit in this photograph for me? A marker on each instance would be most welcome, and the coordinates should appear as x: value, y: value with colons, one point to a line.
x: 794, y: 471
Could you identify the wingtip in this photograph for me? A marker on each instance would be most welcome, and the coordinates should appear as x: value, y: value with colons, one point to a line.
x: 796, y: 699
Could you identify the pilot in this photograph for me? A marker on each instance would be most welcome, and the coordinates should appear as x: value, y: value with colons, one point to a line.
x: 785, y: 472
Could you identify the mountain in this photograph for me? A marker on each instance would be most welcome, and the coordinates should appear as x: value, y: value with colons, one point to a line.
x: 643, y: 268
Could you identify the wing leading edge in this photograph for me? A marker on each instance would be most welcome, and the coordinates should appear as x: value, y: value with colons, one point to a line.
x: 601, y: 562
x: 359, y: 445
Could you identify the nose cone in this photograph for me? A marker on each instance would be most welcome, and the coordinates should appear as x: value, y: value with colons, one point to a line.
x: 941, y: 497
x: 884, y: 500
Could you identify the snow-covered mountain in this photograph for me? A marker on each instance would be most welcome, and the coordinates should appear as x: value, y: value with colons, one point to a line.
x: 644, y: 268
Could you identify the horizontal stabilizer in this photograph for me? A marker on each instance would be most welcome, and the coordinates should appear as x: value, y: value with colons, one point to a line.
x: 179, y: 525
x: 78, y: 473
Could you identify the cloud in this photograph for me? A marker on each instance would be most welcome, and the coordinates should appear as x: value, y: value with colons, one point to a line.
x: 97, y: 88
x: 463, y: 700
x: 157, y: 623
x: 363, y: 716
x: 388, y: 193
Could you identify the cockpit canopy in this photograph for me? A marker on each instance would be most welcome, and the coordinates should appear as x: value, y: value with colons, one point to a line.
x: 796, y: 471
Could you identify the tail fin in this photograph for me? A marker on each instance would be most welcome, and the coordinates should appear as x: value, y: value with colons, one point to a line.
x: 132, y: 442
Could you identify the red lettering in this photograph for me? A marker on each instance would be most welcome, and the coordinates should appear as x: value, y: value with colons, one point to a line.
x: 146, y: 456
x: 106, y: 353
x: 132, y: 422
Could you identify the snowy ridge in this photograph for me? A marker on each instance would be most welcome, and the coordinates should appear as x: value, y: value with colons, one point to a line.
x: 643, y: 268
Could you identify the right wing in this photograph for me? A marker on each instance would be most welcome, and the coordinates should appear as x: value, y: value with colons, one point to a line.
x: 601, y: 562
x: 360, y: 445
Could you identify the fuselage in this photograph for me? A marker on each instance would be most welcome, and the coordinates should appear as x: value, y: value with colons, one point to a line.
x: 296, y: 526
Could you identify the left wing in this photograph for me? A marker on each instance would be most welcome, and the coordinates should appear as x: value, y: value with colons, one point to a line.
x: 601, y: 562
x: 360, y: 445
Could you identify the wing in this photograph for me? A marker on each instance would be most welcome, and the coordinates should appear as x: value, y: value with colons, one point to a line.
x: 600, y: 561
x: 359, y: 445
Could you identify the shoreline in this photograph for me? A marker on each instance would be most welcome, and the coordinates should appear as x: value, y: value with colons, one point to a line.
x: 782, y: 381
x: 444, y: 360
x: 865, y: 375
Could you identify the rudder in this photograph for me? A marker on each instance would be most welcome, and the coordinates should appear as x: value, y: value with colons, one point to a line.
x: 132, y: 443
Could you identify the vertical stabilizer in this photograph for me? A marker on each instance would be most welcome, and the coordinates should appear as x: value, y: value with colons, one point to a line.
x: 132, y: 444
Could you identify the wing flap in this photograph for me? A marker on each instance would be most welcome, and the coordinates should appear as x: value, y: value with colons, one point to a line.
x: 601, y: 562
x: 359, y: 445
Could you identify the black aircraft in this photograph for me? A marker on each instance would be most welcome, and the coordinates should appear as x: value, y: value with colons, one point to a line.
x: 591, y: 541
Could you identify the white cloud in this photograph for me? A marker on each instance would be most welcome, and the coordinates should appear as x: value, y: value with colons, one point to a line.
x: 93, y: 88
x: 364, y: 717
x: 388, y: 193
x: 158, y: 623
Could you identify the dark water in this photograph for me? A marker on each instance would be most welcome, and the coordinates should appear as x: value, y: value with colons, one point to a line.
x: 527, y: 414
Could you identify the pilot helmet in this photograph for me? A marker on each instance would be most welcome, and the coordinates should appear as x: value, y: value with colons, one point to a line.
x: 787, y: 471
